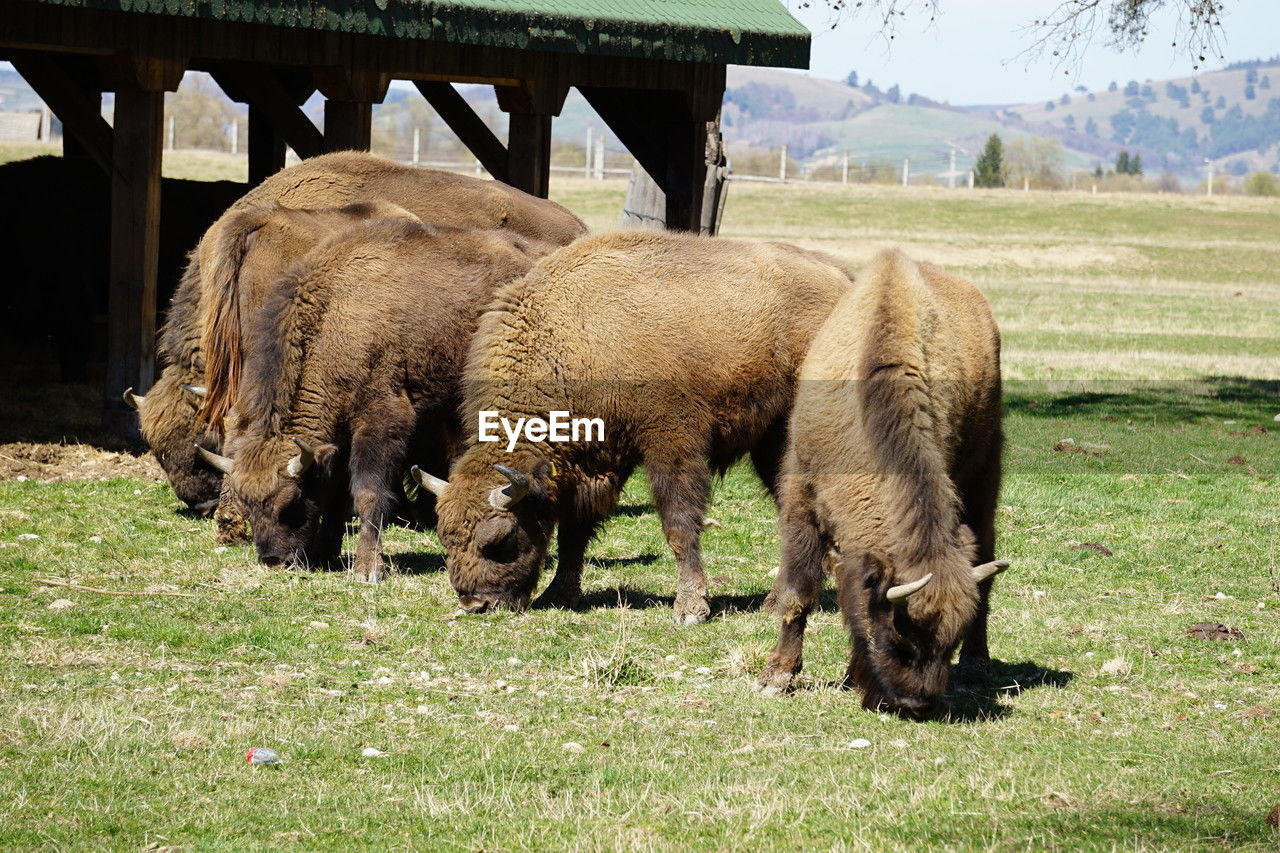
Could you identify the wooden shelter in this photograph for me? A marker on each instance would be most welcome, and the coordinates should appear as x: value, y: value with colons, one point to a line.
x: 653, y: 69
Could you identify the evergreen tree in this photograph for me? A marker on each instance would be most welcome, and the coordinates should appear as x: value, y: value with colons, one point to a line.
x: 1122, y: 163
x: 1091, y: 127
x: 1097, y: 171
x: 1266, y: 82
x: 989, y: 170
x: 1131, y: 89
x: 894, y: 94
x: 1249, y: 94
x: 1251, y: 76
x: 1195, y: 87
x: 1112, y: 87
x: 852, y: 79
x: 1135, y: 165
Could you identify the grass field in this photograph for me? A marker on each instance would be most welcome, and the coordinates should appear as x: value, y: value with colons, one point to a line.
x: 1143, y: 328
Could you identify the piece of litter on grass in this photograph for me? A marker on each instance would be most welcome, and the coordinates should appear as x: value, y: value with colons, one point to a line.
x: 137, y: 491
x: 1038, y: 593
x: 95, y: 538
x: 859, y: 743
x: 1222, y: 596
x: 1220, y: 706
x: 28, y: 536
x: 319, y: 624
x: 221, y: 549
x: 372, y: 752
x: 511, y: 727
x: 573, y: 747
x: 703, y: 670
x: 61, y: 604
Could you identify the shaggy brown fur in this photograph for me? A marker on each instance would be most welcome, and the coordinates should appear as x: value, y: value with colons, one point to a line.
x: 169, y: 414
x: 894, y: 461
x: 359, y: 355
x: 686, y: 347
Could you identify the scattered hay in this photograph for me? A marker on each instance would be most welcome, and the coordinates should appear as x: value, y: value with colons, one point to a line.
x: 62, y: 463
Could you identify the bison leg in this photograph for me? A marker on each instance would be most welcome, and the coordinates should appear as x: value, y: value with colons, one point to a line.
x: 680, y: 491
x: 377, y: 460
x: 797, y: 590
x: 230, y: 525
x: 979, y: 495
x: 591, y: 504
x: 766, y: 455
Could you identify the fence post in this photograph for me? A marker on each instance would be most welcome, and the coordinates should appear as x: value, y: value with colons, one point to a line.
x: 590, y: 151
x: 844, y: 169
x: 951, y: 170
x: 171, y: 133
x: 417, y: 139
x: 906, y: 170
x: 599, y: 170
x: 971, y: 179
x: 782, y: 165
x: 235, y: 136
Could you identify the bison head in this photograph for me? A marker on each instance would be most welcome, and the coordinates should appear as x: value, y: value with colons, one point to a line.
x: 495, y: 522
x: 906, y: 622
x: 285, y: 487
x: 167, y: 415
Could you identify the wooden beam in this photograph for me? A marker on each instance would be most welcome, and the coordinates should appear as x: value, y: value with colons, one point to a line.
x: 263, y: 89
x: 79, y: 111
x: 135, y: 242
x: 529, y: 153
x: 348, y: 125
x: 686, y: 174
x: 629, y: 115
x: 266, y: 147
x: 467, y: 126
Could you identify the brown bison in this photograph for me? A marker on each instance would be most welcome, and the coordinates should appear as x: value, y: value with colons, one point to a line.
x: 354, y: 362
x: 243, y: 256
x: 168, y: 412
x: 685, y: 348
x: 894, y: 462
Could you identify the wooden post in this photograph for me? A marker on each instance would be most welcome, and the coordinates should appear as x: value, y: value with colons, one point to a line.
x: 529, y: 153
x: 266, y: 147
x: 348, y: 125
x: 844, y: 169
x: 417, y: 141
x: 135, y: 245
x: 686, y: 174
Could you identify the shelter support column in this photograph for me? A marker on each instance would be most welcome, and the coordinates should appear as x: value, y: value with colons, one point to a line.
x: 140, y: 84
x: 348, y: 108
x: 530, y: 107
x: 266, y: 147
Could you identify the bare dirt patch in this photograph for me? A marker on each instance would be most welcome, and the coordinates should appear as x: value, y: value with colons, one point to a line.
x: 61, y: 463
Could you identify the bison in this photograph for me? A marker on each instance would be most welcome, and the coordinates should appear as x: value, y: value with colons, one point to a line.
x: 894, y: 462
x: 353, y: 362
x: 168, y: 412
x: 686, y: 348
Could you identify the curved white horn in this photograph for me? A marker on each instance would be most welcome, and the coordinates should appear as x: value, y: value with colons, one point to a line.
x: 224, y: 464
x: 133, y: 400
x: 903, y: 591
x: 988, y: 570
x: 505, y: 497
x: 430, y: 482
x: 198, y: 390
x: 305, y: 459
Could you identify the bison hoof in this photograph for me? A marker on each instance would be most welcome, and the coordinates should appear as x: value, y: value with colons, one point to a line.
x: 558, y: 599
x: 973, y: 675
x: 774, y: 682
x: 371, y: 575
x: 691, y: 610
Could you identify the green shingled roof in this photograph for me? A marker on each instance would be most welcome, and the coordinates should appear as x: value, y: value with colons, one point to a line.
x: 742, y: 32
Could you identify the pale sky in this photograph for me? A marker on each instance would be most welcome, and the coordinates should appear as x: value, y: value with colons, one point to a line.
x: 970, y: 55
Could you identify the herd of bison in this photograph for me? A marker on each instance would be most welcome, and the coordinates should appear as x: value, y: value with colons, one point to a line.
x: 337, y: 332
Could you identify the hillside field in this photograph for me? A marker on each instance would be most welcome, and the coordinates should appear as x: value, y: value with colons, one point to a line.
x: 1141, y: 327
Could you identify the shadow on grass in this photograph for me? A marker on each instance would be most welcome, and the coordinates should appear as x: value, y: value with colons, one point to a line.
x: 419, y: 562
x: 1160, y: 401
x: 721, y: 605
x: 963, y: 705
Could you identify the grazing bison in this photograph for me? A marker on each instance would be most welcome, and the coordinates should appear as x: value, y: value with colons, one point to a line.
x: 686, y: 348
x: 54, y: 237
x: 894, y: 461
x: 168, y: 413
x: 243, y: 257
x: 354, y: 362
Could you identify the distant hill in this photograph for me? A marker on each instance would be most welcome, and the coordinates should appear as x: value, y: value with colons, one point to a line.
x: 1231, y: 117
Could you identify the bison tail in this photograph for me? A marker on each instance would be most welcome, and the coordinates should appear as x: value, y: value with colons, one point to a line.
x: 220, y: 309
x: 898, y: 407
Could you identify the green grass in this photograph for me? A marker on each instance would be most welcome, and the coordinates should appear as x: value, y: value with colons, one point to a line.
x: 124, y: 720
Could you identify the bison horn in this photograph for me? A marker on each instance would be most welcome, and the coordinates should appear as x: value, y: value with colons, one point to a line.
x: 988, y: 570
x: 198, y: 390
x: 903, y: 591
x: 222, y: 463
x: 305, y: 459
x: 508, y: 496
x: 430, y: 482
x: 132, y: 400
